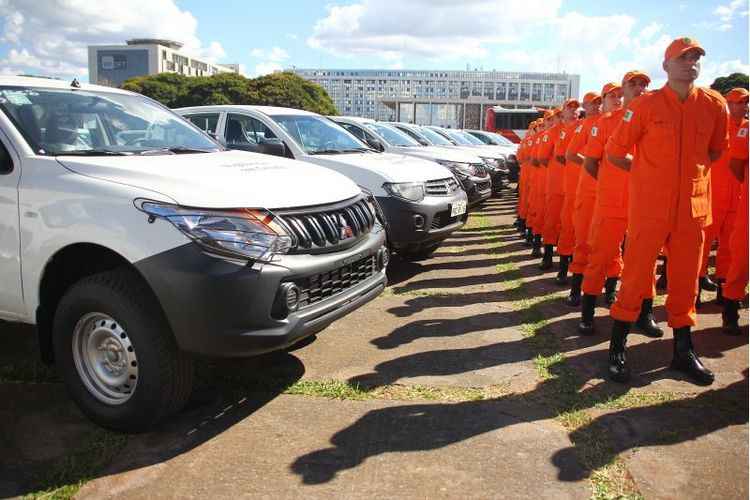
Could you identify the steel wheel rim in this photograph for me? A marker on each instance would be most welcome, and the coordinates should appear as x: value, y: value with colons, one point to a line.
x: 105, y: 358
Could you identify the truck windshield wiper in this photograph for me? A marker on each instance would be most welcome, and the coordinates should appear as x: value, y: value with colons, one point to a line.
x: 176, y: 150
x: 93, y: 152
x: 326, y: 152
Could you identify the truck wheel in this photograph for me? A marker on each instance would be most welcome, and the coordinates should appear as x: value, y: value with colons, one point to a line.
x: 116, y: 353
x: 420, y: 253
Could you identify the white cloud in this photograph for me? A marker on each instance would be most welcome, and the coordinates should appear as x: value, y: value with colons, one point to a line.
x: 711, y: 70
x: 726, y: 12
x: 266, y: 68
x: 649, y: 31
x: 276, y: 54
x: 394, y: 29
x: 55, y: 33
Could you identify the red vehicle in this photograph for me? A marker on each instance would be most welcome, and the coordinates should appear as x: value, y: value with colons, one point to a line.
x: 511, y: 123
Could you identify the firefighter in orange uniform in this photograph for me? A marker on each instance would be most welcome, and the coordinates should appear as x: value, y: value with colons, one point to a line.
x: 523, y: 179
x: 585, y: 200
x: 737, y: 276
x: 552, y: 185
x: 567, y: 241
x: 540, y: 181
x: 677, y: 132
x: 725, y: 196
x: 610, y: 218
x: 555, y: 190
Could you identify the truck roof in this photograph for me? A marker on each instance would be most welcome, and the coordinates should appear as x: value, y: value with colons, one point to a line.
x: 52, y: 83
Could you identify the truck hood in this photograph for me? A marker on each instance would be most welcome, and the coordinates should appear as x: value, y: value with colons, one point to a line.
x: 436, y: 153
x: 227, y: 179
x: 391, y: 167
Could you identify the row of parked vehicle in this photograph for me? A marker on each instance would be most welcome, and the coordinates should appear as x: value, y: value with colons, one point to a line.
x: 135, y: 240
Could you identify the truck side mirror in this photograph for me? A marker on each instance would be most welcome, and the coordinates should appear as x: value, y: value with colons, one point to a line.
x: 375, y: 144
x: 272, y: 146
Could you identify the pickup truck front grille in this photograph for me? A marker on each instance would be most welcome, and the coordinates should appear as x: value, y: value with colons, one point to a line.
x: 324, y: 229
x: 442, y: 219
x: 324, y: 285
x: 441, y: 187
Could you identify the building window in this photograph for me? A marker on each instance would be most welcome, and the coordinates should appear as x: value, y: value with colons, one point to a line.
x: 117, y: 61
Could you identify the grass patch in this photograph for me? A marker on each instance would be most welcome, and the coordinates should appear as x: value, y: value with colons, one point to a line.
x: 82, y: 465
x: 477, y: 221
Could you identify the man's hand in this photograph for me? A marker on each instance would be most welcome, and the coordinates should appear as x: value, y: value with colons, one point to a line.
x: 591, y: 165
x: 619, y: 161
x: 574, y: 157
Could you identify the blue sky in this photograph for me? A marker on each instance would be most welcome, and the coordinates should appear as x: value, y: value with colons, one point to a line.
x: 598, y: 40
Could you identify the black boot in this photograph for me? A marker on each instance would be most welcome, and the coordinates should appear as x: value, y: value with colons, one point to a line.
x: 661, y: 283
x: 588, y: 307
x: 719, y: 291
x: 522, y: 226
x: 685, y: 359
x: 562, y: 274
x: 610, y: 291
x: 646, y: 322
x: 707, y: 284
x: 618, y: 364
x: 529, y: 237
x: 574, y: 297
x: 730, y: 317
x: 536, y: 249
x: 547, y: 259
x: 698, y: 301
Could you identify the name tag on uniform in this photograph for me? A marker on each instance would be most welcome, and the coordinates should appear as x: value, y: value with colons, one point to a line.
x: 594, y: 131
x: 742, y: 132
x: 627, y: 116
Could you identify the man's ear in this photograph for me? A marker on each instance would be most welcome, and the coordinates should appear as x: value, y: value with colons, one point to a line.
x: 664, y: 66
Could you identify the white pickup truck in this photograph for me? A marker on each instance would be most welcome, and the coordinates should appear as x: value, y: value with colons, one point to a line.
x: 133, y: 241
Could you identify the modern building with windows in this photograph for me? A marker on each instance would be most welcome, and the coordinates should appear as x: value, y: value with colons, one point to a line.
x: 113, y: 64
x: 445, y: 98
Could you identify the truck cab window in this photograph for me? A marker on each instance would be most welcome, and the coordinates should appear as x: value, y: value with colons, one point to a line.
x: 6, y: 164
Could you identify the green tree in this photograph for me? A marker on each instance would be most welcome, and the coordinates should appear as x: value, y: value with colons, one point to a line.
x: 724, y: 84
x: 279, y: 89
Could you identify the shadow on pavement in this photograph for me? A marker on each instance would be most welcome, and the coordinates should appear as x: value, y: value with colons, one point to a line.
x: 44, y: 435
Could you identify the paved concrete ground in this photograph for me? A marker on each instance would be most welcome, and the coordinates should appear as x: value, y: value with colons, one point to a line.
x: 455, y: 323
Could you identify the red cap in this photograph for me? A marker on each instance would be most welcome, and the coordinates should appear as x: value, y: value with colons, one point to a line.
x: 681, y: 45
x: 591, y: 97
x: 630, y: 75
x: 737, y: 94
x: 609, y: 87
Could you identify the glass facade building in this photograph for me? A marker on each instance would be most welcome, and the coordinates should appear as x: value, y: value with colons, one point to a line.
x: 446, y: 98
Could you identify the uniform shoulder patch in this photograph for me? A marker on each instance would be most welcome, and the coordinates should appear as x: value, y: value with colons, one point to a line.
x: 594, y: 131
x: 545, y: 138
x: 562, y: 134
x: 579, y: 128
x: 742, y: 132
x: 627, y: 116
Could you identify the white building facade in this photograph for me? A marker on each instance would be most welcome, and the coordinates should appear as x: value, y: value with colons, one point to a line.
x: 446, y: 98
x: 113, y: 64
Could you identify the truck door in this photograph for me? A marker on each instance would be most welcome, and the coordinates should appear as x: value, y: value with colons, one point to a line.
x: 11, y: 300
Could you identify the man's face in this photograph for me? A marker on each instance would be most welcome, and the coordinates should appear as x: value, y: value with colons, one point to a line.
x: 684, y: 68
x: 593, y: 108
x: 738, y: 110
x: 569, y: 113
x: 634, y: 87
x: 613, y: 100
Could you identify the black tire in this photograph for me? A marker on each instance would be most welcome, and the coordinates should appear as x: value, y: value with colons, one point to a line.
x: 165, y: 375
x: 421, y: 253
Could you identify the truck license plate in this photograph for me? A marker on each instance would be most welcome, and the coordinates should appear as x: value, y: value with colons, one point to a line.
x: 458, y: 208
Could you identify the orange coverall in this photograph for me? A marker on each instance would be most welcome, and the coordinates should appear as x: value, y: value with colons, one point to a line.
x: 669, y: 182
x: 523, y: 179
x: 737, y: 275
x: 540, y: 180
x: 583, y: 208
x: 554, y: 191
x: 567, y: 241
x: 610, y: 218
x: 725, y: 196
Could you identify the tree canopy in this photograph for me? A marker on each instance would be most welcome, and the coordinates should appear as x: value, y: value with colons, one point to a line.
x: 278, y: 89
x: 724, y: 84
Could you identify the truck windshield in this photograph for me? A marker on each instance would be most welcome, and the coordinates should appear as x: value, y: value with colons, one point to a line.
x: 85, y: 122
x: 470, y: 138
x: 458, y: 137
x: 434, y: 137
x: 317, y: 135
x: 392, y: 136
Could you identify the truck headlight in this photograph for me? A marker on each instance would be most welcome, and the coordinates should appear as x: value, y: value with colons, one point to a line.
x: 464, y: 168
x: 490, y: 162
x: 242, y: 233
x: 412, y: 191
